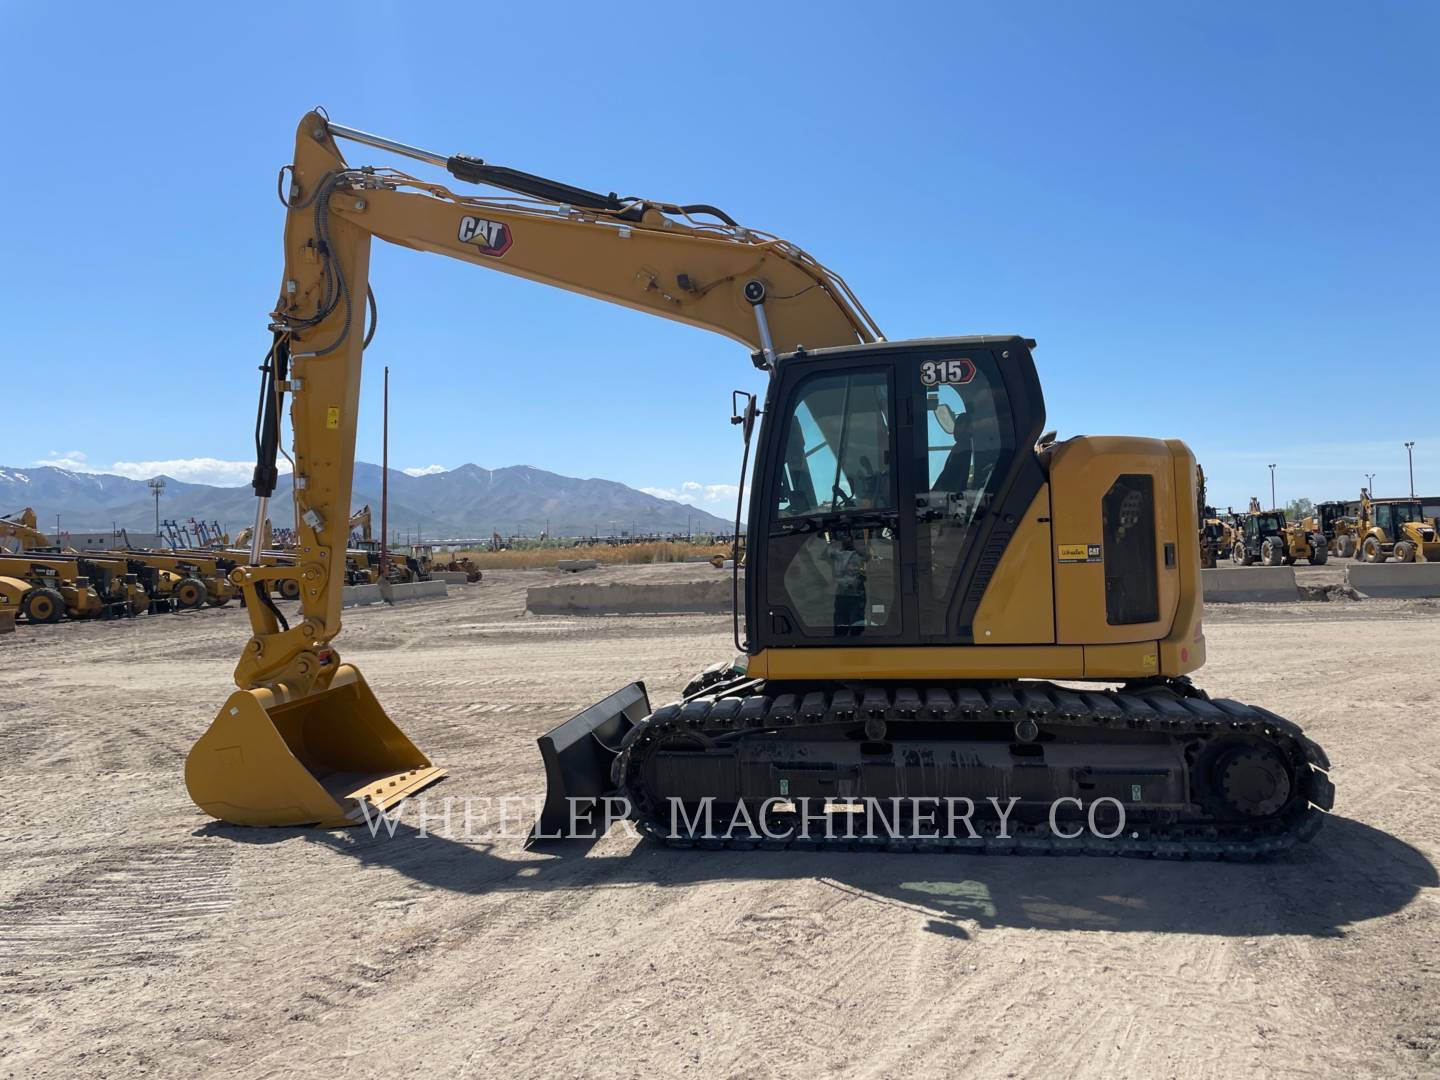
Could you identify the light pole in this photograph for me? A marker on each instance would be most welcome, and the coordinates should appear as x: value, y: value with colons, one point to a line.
x: 1410, y: 453
x: 1370, y: 482
x: 157, y: 486
x: 1272, y: 487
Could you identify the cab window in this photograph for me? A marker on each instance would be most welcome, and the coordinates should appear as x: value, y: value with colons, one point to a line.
x: 968, y: 441
x: 834, y: 541
x: 837, y: 447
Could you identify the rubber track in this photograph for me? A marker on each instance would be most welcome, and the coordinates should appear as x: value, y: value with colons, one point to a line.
x: 1157, y: 709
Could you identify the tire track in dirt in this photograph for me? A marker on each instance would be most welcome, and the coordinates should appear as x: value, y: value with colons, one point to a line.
x: 116, y: 909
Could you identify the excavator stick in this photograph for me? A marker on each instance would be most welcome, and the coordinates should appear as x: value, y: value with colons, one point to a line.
x: 578, y: 757
x: 311, y: 760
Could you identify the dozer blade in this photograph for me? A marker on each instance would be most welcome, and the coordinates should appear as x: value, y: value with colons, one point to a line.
x: 267, y: 760
x: 578, y: 755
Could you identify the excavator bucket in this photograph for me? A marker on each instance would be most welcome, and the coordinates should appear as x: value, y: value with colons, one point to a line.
x: 304, y: 761
x: 578, y: 755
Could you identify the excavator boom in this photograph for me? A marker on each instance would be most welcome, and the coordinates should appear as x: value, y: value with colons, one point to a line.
x: 929, y: 573
x: 296, y: 702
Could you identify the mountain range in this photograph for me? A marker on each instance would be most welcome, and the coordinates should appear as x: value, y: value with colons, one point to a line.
x: 465, y: 502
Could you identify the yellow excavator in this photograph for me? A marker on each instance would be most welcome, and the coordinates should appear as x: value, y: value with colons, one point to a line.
x: 944, y: 601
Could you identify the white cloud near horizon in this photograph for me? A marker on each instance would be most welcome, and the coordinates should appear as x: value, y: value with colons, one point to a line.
x: 424, y: 470
x: 200, y: 470
x: 692, y: 491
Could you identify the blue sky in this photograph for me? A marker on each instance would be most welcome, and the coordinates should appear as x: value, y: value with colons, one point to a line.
x: 1218, y: 220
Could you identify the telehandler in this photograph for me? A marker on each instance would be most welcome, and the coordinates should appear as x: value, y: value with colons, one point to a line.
x: 1334, y: 521
x: 182, y: 578
x: 122, y: 591
x: 1395, y: 528
x: 931, y: 573
x: 1264, y: 536
x: 53, y: 587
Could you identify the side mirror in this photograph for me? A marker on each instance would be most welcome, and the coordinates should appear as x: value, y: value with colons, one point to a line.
x: 946, y: 417
x: 743, y: 414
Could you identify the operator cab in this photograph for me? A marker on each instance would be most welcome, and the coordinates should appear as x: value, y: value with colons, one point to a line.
x: 1392, y: 516
x: 882, y: 472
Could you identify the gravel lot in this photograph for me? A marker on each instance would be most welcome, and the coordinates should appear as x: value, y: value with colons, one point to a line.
x: 139, y: 938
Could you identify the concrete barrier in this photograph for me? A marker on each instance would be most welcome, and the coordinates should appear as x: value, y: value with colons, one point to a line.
x: 450, y: 577
x: 360, y: 595
x: 1397, y: 580
x: 420, y: 590
x: 7, y: 620
x: 1249, y: 584
x: 632, y: 598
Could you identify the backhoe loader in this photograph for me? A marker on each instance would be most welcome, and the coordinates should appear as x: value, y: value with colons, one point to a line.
x: 945, y: 604
x: 1395, y: 529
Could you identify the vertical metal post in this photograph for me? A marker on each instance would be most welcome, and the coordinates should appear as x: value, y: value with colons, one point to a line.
x: 1410, y: 453
x: 385, y: 483
x: 1272, y: 488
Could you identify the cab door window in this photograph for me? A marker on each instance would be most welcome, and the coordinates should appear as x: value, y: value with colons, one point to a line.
x: 967, y: 443
x: 832, y: 570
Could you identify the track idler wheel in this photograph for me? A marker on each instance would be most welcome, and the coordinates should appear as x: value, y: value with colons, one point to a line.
x: 1245, y: 779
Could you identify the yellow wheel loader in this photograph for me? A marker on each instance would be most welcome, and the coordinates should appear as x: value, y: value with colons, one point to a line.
x: 947, y: 608
x: 1395, y: 529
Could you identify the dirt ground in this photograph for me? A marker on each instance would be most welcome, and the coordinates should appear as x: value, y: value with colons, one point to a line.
x: 139, y: 938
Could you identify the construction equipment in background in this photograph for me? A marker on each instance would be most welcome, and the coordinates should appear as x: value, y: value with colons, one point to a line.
x: 1334, y: 521
x: 462, y: 565
x: 1216, y: 537
x: 1395, y: 529
x: 122, y: 590
x: 930, y: 569
x: 360, y: 524
x: 20, y: 532
x: 209, y: 536
x: 183, y: 578
x: 1264, y: 536
x: 55, y: 588
x: 267, y: 537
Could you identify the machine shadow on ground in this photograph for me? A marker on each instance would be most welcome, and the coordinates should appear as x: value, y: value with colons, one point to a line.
x: 1349, y: 873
